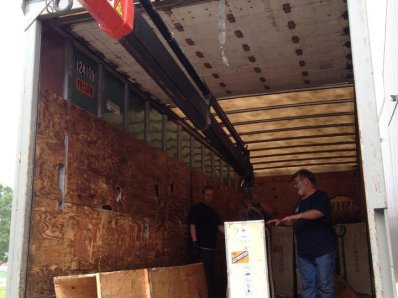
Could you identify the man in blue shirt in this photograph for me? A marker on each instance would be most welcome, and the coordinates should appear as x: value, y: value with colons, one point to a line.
x: 316, y: 241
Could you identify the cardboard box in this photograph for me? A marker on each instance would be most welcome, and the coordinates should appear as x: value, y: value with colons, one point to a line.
x: 246, y: 254
x: 282, y: 261
x: 353, y: 253
x: 354, y: 257
x: 187, y: 281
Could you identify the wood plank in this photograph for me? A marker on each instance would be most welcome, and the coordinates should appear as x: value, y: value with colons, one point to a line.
x: 187, y: 281
x: 126, y: 284
x: 76, y: 286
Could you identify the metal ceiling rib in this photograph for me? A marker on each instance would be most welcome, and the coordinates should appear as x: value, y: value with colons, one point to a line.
x: 272, y: 47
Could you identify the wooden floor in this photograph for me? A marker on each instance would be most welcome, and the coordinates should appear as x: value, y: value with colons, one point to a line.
x: 343, y: 289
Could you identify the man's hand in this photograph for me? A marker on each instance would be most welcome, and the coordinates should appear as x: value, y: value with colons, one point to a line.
x: 286, y: 221
x: 275, y: 222
x: 195, y: 250
x: 289, y: 220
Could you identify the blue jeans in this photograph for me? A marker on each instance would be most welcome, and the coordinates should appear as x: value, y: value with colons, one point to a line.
x: 317, y: 276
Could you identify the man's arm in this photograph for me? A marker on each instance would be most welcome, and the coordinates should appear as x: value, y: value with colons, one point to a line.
x: 275, y: 222
x: 192, y: 230
x: 289, y: 220
x: 220, y: 228
x: 310, y: 214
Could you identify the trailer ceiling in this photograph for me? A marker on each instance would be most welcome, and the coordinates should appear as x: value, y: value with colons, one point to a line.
x: 285, y: 81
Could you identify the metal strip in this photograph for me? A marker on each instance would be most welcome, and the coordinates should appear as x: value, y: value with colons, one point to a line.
x: 303, y: 137
x: 292, y: 105
x: 293, y: 118
x: 303, y: 159
x: 305, y: 145
x: 303, y: 152
x: 306, y: 165
x: 296, y: 128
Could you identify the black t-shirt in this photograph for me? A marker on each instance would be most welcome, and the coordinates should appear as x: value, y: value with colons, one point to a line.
x: 206, y: 221
x: 315, y: 237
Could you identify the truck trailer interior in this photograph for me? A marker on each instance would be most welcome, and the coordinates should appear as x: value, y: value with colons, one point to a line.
x: 125, y: 135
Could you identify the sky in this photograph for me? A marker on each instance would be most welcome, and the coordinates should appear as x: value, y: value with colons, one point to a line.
x: 11, y: 61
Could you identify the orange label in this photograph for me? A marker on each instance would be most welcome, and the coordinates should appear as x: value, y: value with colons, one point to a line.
x: 239, y: 257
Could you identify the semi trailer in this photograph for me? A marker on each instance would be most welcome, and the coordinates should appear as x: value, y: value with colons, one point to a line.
x: 122, y: 124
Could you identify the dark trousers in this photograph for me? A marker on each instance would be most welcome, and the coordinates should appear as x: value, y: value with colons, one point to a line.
x: 207, y: 258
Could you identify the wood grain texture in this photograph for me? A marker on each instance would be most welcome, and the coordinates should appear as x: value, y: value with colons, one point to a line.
x: 178, y: 282
x: 126, y: 284
x: 77, y: 286
x: 125, y: 204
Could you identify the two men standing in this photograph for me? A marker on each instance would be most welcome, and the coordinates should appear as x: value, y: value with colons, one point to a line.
x: 311, y: 221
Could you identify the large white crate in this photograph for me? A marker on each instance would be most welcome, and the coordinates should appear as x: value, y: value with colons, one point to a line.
x: 246, y: 253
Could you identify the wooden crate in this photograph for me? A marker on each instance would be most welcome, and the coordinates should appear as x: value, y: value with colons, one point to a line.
x: 186, y: 281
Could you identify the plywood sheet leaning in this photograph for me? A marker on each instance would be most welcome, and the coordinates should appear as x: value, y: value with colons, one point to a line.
x: 77, y: 286
x: 187, y: 281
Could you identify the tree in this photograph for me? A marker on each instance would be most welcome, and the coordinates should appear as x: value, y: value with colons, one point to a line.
x: 5, y: 220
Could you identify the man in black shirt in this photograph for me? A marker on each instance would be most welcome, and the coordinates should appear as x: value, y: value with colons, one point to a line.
x: 203, y: 227
x: 315, y: 237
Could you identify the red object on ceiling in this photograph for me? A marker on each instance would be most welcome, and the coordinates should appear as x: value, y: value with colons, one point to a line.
x: 115, y: 17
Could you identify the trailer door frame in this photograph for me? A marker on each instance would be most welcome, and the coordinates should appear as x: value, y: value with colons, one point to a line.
x: 370, y: 146
x: 22, y: 200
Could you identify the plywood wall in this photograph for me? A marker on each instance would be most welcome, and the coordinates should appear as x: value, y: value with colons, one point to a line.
x: 106, y: 201
x: 278, y: 192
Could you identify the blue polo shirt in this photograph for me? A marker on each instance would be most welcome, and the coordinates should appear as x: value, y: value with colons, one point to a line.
x: 315, y: 237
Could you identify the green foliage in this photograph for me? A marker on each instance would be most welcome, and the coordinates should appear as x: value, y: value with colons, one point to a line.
x: 2, y: 292
x: 5, y: 220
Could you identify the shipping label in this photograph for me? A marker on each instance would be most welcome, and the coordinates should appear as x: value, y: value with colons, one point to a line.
x: 239, y: 257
